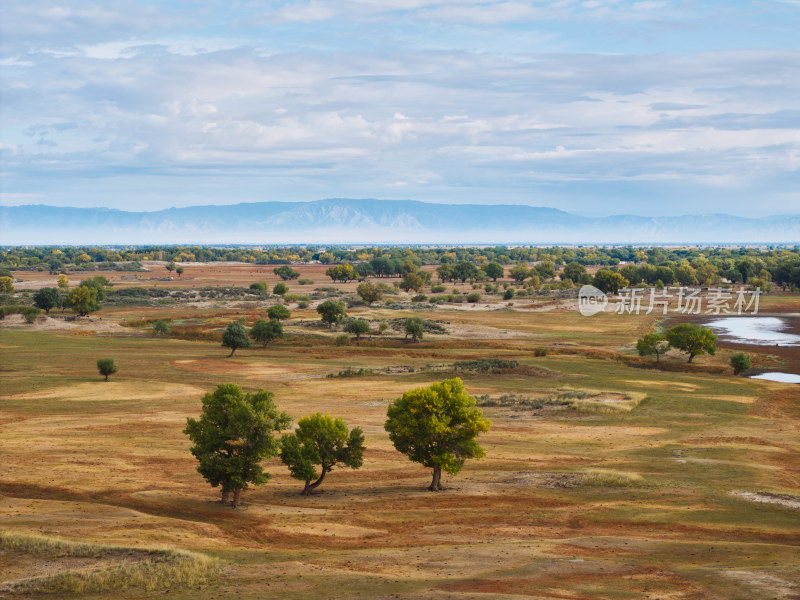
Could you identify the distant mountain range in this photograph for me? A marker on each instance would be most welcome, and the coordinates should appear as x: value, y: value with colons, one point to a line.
x: 348, y: 221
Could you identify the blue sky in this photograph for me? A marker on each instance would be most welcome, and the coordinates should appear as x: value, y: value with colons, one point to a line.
x: 595, y: 107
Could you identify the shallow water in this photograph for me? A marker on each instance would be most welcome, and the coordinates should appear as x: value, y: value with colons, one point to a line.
x: 782, y: 377
x: 760, y: 331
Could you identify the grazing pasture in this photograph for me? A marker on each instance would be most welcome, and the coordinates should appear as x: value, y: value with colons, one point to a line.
x: 604, y: 477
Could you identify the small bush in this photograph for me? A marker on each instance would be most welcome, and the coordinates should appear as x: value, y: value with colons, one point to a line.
x: 302, y: 304
x: 261, y: 287
x: 419, y: 298
x: 342, y: 340
x: 609, y: 478
x: 305, y: 281
x: 437, y: 289
x: 540, y: 352
x: 473, y: 297
x: 485, y: 365
x: 30, y: 313
x: 508, y: 294
x: 280, y: 289
x: 740, y: 362
x: 350, y: 372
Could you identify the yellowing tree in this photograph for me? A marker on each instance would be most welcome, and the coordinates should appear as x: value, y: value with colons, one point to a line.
x: 437, y: 426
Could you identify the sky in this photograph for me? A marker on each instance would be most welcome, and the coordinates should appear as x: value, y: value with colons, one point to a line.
x: 595, y: 107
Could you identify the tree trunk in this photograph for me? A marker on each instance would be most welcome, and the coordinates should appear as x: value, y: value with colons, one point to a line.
x: 106, y: 377
x: 436, y: 482
x: 226, y: 497
x: 232, y: 351
x: 691, y: 356
x: 311, y: 487
x: 236, y: 494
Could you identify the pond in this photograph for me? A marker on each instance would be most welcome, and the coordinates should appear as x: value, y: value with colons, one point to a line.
x: 767, y: 332
x: 760, y: 331
x: 782, y: 377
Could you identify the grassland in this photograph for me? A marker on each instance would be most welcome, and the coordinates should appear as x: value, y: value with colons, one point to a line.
x: 573, y: 500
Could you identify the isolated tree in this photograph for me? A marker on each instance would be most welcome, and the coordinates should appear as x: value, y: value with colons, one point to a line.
x: 324, y: 442
x: 369, y: 292
x: 161, y: 327
x: 493, y: 270
x: 357, y: 327
x: 179, y: 270
x: 415, y: 328
x: 609, y: 281
x: 519, y: 273
x: 286, y: 272
x: 170, y: 266
x: 694, y: 340
x: 264, y: 331
x: 63, y: 282
x: 332, y: 311
x: 106, y: 366
x: 47, y: 298
x: 465, y: 270
x: 280, y: 289
x: 740, y: 362
x: 437, y: 426
x: 233, y: 435
x: 278, y: 312
x: 83, y: 300
x: 235, y: 337
x: 653, y: 343
x: 412, y: 281
x: 6, y: 285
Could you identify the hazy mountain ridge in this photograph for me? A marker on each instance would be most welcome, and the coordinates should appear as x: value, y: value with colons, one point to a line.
x: 341, y: 220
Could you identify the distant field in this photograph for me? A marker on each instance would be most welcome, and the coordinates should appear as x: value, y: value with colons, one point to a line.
x: 688, y: 490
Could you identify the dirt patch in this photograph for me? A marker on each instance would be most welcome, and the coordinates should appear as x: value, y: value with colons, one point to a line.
x: 683, y: 387
x: 327, y: 529
x: 786, y: 500
x: 85, y: 325
x: 115, y: 390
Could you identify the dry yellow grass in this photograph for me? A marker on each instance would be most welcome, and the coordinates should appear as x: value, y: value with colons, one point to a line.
x: 567, y: 503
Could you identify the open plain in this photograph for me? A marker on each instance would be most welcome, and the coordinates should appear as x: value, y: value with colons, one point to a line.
x: 604, y: 477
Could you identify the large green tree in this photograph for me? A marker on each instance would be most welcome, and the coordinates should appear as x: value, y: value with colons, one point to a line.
x: 465, y: 270
x: 47, y: 298
x: 332, y: 311
x: 694, y: 340
x: 279, y: 312
x: 235, y: 337
x: 652, y: 343
x: 369, y: 292
x: 264, y: 331
x: 609, y: 281
x: 324, y: 442
x: 83, y: 300
x: 286, y: 272
x: 233, y: 435
x: 106, y: 366
x: 437, y: 426
x: 493, y: 270
x: 357, y: 327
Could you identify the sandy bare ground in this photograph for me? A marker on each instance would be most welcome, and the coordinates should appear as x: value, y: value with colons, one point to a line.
x: 86, y: 324
x: 782, y: 499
